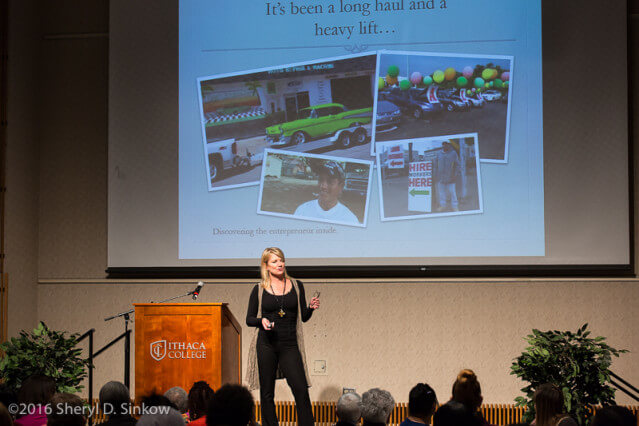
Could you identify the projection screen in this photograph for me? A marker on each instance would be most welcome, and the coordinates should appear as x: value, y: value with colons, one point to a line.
x: 369, y: 138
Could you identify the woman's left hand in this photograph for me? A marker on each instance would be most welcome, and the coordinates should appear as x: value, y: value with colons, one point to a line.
x: 315, y: 303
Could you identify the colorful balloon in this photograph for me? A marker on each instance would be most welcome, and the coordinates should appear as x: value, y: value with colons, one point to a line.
x: 450, y: 73
x: 393, y: 71
x: 468, y: 92
x: 498, y: 83
x: 404, y: 85
x: 381, y: 83
x: 391, y: 80
x: 416, y: 77
x: 506, y: 83
x: 468, y: 71
x: 428, y: 80
x: 505, y: 76
x: 462, y: 81
x: 487, y: 85
x: 438, y: 76
x: 487, y: 73
x: 479, y: 82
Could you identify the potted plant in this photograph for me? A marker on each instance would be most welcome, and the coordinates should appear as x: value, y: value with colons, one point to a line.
x: 575, y: 362
x: 47, y: 352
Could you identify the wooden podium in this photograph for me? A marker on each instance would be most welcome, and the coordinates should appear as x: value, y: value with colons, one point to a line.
x: 178, y: 344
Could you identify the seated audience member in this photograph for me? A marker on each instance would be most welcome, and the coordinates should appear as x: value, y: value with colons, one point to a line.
x: 66, y: 410
x: 454, y: 413
x: 180, y: 400
x: 7, y: 395
x: 549, y: 407
x: 5, y: 417
x: 231, y: 405
x: 348, y: 409
x: 38, y: 391
x: 467, y: 391
x: 161, y: 416
x: 377, y: 406
x: 421, y: 405
x: 613, y: 416
x: 115, y: 403
x: 156, y: 400
x: 199, y: 398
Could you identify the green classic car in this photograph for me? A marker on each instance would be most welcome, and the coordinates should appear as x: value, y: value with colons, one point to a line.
x: 319, y: 121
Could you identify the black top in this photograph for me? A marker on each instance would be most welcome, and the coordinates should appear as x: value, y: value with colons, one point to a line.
x: 271, y: 305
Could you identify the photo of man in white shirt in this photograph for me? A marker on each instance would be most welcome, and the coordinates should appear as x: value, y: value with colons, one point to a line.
x: 330, y: 184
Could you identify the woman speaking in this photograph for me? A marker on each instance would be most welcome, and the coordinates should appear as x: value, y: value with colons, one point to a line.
x: 276, y: 308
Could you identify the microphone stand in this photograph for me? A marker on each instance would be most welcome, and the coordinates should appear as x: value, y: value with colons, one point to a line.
x: 127, y: 343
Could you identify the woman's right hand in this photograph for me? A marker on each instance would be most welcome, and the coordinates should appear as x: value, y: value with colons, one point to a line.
x: 266, y: 324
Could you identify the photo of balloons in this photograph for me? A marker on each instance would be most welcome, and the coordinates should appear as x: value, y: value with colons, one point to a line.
x: 450, y: 73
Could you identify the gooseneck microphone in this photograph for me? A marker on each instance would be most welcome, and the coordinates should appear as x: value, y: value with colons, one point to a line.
x: 196, y: 292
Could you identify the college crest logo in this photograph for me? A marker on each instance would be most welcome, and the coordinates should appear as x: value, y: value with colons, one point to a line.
x: 158, y: 350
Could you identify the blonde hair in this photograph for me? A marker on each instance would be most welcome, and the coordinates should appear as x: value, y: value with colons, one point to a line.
x: 266, y: 255
x: 466, y: 390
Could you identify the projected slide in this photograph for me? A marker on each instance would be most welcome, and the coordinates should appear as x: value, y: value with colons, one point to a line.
x: 360, y: 129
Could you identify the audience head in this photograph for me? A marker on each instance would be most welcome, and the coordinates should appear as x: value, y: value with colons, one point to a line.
x: 179, y: 398
x: 199, y: 397
x: 66, y: 410
x: 466, y: 390
x: 349, y: 408
x: 454, y: 413
x: 549, y: 403
x: 231, y: 405
x: 377, y: 406
x: 421, y: 402
x: 115, y: 399
x: 155, y: 400
x: 5, y: 417
x: 613, y: 416
x: 36, y: 389
x: 7, y: 395
x: 161, y: 416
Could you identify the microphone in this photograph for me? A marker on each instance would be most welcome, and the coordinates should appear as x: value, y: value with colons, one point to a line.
x: 196, y: 292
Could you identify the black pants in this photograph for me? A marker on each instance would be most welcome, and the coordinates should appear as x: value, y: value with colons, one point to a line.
x: 271, y: 351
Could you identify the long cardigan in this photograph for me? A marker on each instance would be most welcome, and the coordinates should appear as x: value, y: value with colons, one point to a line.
x: 252, y: 373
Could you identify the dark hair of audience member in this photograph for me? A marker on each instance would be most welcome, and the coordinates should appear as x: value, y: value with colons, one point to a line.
x: 7, y: 395
x: 36, y: 389
x: 156, y: 400
x: 66, y: 410
x: 421, y: 401
x: 231, y: 405
x: 613, y: 415
x: 467, y: 390
x: 5, y: 417
x: 454, y: 413
x: 549, y: 404
x: 115, y: 399
x: 199, y: 397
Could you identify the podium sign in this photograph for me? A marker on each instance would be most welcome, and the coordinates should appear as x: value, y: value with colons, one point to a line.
x: 180, y: 343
